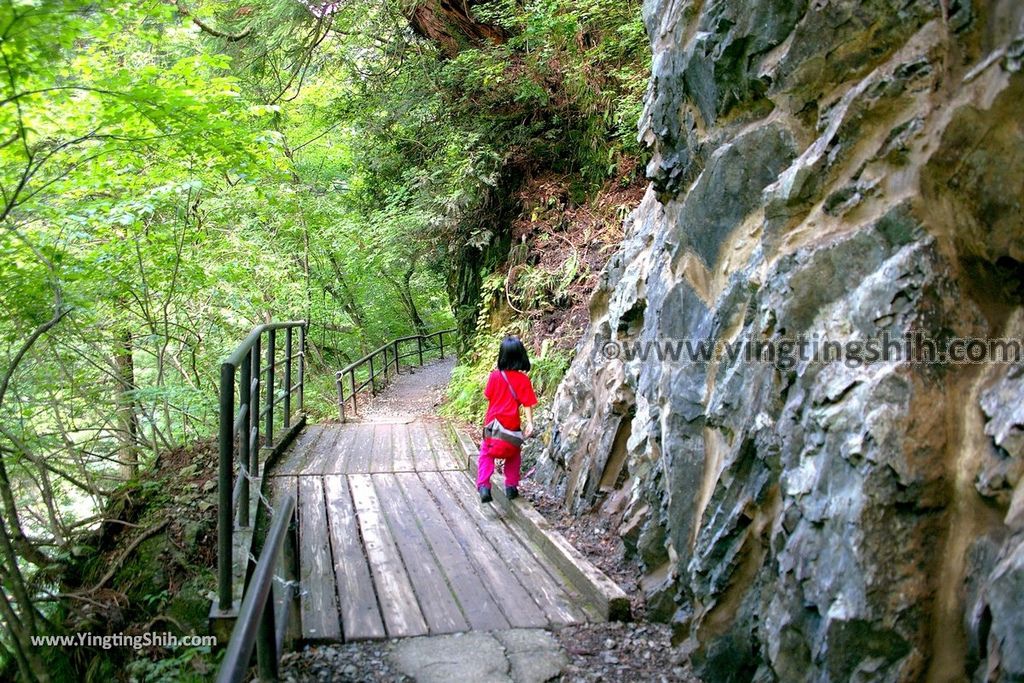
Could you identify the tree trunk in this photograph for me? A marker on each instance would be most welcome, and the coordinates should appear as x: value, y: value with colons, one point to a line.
x: 403, y: 287
x: 25, y: 548
x: 20, y: 626
x: 450, y: 25
x: 127, y: 418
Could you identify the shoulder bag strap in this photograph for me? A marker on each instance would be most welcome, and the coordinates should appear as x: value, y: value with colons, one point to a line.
x: 505, y: 377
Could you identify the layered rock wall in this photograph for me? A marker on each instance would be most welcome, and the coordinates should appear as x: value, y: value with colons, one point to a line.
x: 837, y: 169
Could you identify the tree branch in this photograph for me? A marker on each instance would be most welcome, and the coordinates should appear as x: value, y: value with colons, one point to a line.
x: 206, y: 28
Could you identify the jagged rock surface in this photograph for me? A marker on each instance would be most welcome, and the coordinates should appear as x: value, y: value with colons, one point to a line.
x: 844, y: 168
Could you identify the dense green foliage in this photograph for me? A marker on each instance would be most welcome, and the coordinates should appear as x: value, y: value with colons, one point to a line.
x: 174, y: 174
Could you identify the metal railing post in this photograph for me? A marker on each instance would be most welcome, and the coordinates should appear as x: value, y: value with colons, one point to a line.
x: 352, y: 379
x: 302, y: 368
x: 386, y: 364
x: 244, y: 399
x: 339, y: 379
x: 224, y: 522
x: 288, y: 378
x: 373, y: 379
x: 266, y: 642
x: 270, y: 390
x: 398, y: 370
x: 256, y: 356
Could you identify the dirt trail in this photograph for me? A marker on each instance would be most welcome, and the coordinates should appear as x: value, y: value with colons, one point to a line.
x: 417, y: 391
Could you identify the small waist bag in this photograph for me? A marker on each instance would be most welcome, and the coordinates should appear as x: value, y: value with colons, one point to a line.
x: 496, y: 430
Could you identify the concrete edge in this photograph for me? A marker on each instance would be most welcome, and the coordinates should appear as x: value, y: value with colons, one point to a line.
x: 611, y: 601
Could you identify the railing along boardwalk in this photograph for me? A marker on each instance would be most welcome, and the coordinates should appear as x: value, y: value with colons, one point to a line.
x: 378, y: 373
x: 376, y: 530
x: 255, y: 608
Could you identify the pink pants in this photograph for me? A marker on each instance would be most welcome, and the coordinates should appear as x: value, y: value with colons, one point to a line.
x: 492, y: 449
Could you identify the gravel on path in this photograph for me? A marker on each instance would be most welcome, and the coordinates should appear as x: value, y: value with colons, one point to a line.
x: 416, y: 392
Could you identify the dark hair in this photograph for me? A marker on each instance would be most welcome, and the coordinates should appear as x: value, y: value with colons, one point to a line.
x: 512, y: 355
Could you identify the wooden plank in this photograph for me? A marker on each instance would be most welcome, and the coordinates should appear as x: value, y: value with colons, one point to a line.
x: 443, y: 450
x: 300, y: 451
x: 382, y: 454
x: 283, y: 486
x: 610, y: 601
x: 398, y: 604
x: 318, y: 603
x: 478, y: 605
x: 519, y: 608
x: 439, y: 606
x: 402, y: 457
x: 422, y: 453
x: 331, y: 460
x: 357, y: 459
x: 322, y: 453
x: 360, y: 615
x: 549, y: 595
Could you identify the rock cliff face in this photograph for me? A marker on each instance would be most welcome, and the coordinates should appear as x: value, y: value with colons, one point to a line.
x: 845, y: 169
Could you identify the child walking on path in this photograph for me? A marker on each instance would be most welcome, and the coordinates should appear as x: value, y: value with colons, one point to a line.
x: 507, y: 389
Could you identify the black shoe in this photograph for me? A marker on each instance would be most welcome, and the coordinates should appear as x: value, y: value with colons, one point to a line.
x: 485, y: 494
x: 511, y: 492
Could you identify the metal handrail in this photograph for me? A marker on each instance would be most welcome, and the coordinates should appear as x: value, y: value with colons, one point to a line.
x: 241, y: 437
x: 258, y: 624
x: 392, y: 356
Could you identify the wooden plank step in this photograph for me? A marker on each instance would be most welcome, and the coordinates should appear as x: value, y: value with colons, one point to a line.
x: 360, y: 450
x: 360, y: 615
x: 343, y: 450
x: 382, y: 454
x: 439, y: 441
x: 423, y: 454
x: 478, y: 604
x: 300, y: 451
x: 401, y: 445
x: 519, y: 608
x: 317, y: 602
x: 549, y: 595
x: 326, y: 451
x: 439, y: 606
x: 398, y: 604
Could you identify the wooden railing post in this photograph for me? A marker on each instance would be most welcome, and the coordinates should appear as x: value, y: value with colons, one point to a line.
x: 440, y: 339
x: 419, y: 347
x: 398, y: 370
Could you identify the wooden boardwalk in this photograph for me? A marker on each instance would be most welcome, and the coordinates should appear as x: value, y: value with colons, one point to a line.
x: 394, y: 541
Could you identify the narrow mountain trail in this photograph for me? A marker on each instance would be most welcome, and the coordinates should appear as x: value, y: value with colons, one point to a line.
x: 549, y: 651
